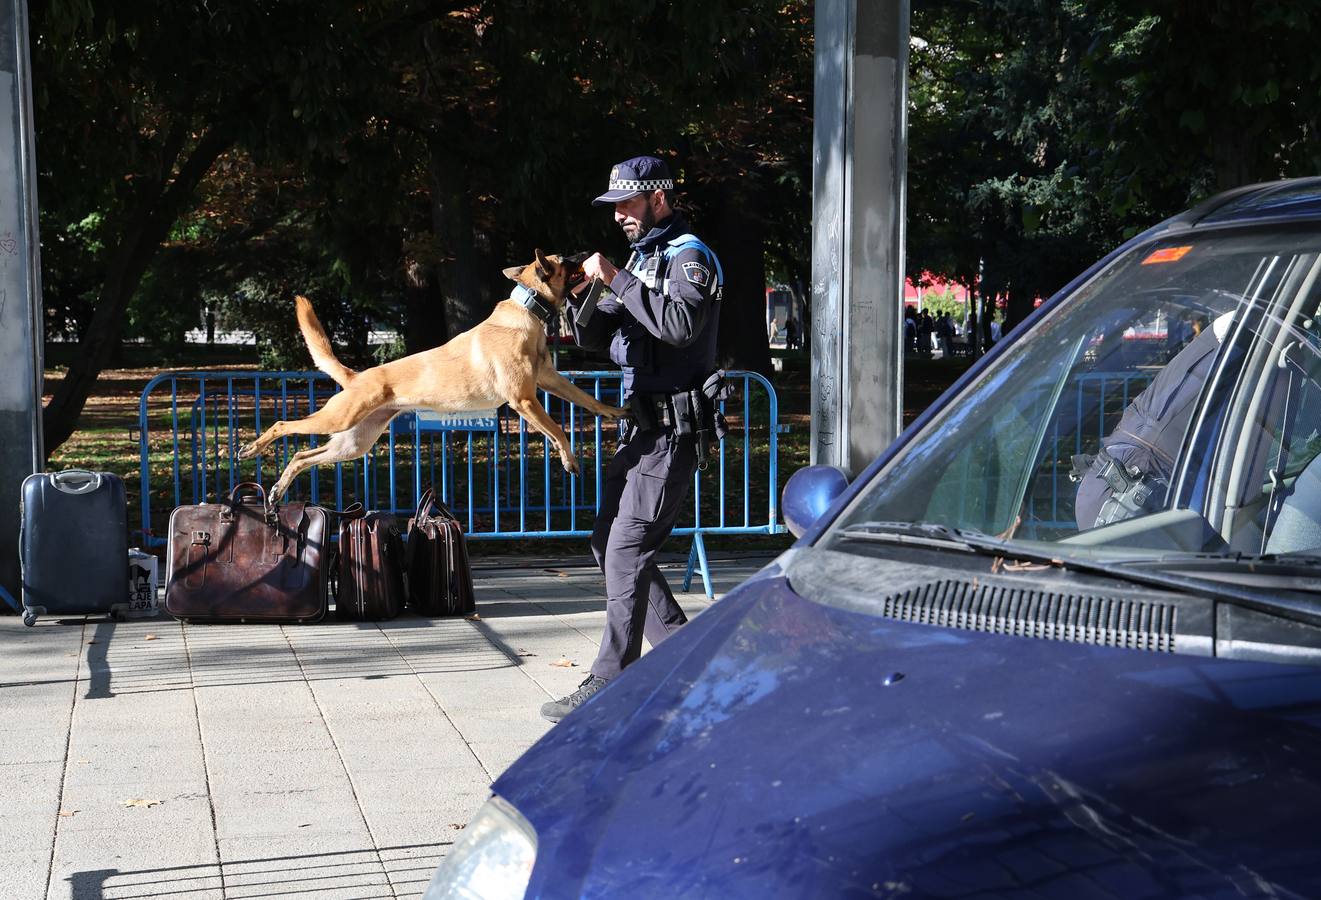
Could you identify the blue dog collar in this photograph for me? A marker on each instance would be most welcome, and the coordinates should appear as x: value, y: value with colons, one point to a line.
x: 529, y: 299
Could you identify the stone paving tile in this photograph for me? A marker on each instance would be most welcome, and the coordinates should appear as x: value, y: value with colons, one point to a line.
x: 336, y: 760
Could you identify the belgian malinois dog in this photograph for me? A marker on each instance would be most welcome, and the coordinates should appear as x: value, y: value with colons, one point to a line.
x: 502, y: 360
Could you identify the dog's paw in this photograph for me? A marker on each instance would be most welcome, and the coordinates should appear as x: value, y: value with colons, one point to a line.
x: 570, y: 463
x: 248, y: 451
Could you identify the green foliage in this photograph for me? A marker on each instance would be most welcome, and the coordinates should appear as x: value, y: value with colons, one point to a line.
x: 943, y: 302
x: 1042, y: 134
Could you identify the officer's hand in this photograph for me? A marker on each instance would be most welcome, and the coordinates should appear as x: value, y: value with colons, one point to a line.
x: 597, y: 266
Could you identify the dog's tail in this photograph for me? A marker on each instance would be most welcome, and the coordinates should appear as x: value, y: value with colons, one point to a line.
x: 319, y: 345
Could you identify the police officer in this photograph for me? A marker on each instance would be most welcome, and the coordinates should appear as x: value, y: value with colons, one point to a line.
x: 1130, y: 474
x: 659, y: 324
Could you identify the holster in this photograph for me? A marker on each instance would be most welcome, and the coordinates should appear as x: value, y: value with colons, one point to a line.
x: 695, y: 412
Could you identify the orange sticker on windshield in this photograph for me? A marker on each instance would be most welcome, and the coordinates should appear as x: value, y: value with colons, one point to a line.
x: 1167, y: 254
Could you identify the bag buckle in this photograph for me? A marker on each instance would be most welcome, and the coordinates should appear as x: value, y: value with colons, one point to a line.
x: 202, y: 537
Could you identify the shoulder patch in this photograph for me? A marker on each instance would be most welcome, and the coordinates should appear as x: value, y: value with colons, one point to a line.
x: 697, y: 273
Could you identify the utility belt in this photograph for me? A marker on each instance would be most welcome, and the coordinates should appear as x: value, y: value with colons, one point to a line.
x: 696, y: 412
x: 1133, y: 492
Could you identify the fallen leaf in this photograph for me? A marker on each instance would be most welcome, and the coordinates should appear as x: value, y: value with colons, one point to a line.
x: 475, y: 617
x: 564, y: 663
x: 83, y: 762
x: 150, y: 637
x: 69, y: 813
x: 522, y: 652
x: 140, y: 802
x: 457, y: 826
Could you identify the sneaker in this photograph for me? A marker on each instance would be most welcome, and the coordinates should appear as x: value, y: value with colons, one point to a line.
x: 558, y: 709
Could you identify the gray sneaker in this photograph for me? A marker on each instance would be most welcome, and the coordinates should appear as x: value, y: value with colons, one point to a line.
x: 558, y: 709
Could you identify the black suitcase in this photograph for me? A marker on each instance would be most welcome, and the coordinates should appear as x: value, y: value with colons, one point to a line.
x: 73, y: 546
x: 439, y: 575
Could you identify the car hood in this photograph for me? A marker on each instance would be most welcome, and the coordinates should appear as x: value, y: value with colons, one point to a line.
x: 781, y: 747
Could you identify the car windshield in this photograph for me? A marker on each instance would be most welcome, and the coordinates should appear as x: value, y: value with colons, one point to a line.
x: 1168, y: 407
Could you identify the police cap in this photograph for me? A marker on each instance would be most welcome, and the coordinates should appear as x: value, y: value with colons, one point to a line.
x: 638, y: 175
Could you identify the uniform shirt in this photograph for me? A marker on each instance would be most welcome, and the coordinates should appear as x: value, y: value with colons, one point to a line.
x: 663, y: 341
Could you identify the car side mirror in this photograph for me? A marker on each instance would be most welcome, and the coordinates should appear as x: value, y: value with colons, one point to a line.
x: 809, y: 493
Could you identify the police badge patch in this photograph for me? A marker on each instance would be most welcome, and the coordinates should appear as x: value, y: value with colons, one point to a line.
x: 697, y: 273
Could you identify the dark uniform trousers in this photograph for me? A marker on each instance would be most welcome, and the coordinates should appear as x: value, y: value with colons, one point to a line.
x: 643, y: 490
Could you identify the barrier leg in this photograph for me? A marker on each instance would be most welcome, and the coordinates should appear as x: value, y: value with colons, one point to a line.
x: 697, y: 562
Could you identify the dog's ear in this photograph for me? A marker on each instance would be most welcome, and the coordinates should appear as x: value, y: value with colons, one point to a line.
x: 544, y: 265
x: 513, y: 272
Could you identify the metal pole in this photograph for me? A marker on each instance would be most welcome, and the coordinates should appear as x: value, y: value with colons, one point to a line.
x: 20, y: 286
x: 859, y: 160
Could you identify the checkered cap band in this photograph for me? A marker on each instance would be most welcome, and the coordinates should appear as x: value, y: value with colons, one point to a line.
x: 628, y: 184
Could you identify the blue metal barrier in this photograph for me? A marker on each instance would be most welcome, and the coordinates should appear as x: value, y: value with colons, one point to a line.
x: 502, y: 483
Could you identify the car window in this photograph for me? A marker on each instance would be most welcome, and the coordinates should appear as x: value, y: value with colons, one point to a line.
x: 1170, y: 403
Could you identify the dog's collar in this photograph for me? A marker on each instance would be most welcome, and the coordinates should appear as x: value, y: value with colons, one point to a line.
x: 531, y: 301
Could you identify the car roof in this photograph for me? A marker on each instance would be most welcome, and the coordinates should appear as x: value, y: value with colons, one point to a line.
x: 1294, y: 199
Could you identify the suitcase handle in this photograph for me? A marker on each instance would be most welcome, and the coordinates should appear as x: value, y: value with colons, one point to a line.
x: 432, y: 506
x: 247, y: 488
x: 424, y: 505
x: 356, y: 511
x: 76, y: 481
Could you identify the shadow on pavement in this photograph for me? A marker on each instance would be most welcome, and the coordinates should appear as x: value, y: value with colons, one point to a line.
x: 386, y: 872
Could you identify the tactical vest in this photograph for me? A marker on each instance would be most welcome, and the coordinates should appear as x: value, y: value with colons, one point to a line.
x: 649, y: 364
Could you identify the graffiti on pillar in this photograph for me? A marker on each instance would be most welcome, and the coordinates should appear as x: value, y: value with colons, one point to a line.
x: 825, y: 423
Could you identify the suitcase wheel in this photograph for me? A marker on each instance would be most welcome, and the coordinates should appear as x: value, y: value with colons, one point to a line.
x: 29, y: 618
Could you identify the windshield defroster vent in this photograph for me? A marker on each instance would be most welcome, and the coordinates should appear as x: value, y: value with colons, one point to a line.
x: 1082, y: 618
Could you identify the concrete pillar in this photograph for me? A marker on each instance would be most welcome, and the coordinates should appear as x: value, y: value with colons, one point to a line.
x: 858, y: 173
x: 20, y: 286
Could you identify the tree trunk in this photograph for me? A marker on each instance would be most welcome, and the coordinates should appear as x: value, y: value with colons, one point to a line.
x: 452, y: 224
x: 1020, y: 306
x: 424, y: 305
x: 737, y: 235
x: 159, y: 207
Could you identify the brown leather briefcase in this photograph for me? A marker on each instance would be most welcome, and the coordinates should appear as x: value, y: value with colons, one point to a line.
x: 239, y: 561
x: 439, y: 575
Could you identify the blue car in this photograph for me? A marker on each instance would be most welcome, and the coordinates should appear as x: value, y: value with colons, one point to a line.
x: 1062, y: 640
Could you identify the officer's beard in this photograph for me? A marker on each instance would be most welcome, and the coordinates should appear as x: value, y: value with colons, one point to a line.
x: 643, y: 228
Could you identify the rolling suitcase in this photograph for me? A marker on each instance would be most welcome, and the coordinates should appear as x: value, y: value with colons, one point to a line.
x: 73, y: 547
x: 439, y: 576
x: 240, y: 561
x: 368, y: 574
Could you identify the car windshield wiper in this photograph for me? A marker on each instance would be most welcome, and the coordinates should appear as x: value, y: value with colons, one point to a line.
x: 927, y: 534
x: 1135, y: 571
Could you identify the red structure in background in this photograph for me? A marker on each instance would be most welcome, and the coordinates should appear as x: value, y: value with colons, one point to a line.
x: 937, y: 286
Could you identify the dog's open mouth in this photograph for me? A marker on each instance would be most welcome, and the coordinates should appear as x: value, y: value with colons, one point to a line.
x: 578, y: 276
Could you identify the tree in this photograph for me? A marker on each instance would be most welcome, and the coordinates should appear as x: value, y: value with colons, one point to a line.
x: 159, y: 93
x: 1045, y: 133
x: 404, y: 151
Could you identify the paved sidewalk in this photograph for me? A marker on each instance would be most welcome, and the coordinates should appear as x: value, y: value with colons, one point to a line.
x: 154, y: 760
